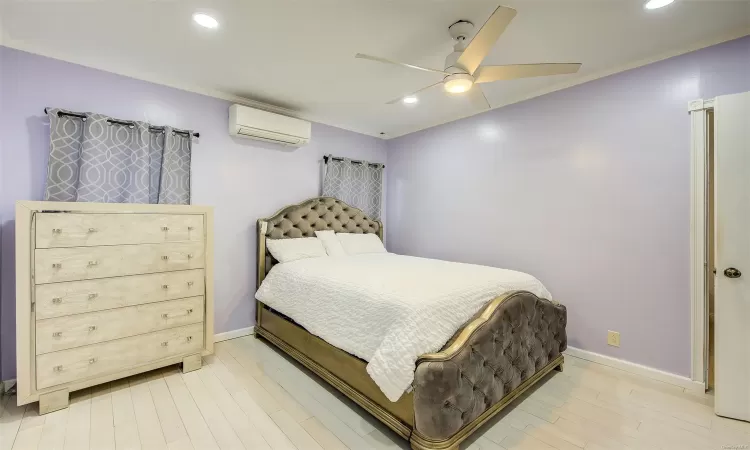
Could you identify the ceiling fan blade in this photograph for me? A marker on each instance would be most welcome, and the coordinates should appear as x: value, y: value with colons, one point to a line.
x: 477, y: 98
x: 485, y: 38
x: 488, y: 74
x: 413, y: 93
x: 398, y: 63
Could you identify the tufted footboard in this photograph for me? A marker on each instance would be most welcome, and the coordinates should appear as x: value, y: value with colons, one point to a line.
x: 513, y: 339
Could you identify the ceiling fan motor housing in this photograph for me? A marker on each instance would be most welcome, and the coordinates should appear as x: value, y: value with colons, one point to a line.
x: 450, y: 61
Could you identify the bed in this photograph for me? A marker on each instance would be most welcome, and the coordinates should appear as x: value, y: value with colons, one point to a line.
x: 501, y: 349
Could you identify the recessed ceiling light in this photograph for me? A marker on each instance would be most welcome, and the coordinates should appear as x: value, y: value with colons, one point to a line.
x: 205, y: 20
x: 656, y: 4
x: 410, y: 100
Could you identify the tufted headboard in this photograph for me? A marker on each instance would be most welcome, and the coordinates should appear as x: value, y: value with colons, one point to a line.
x: 304, y: 219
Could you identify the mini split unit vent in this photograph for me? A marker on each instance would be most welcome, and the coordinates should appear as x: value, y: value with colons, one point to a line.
x: 265, y: 126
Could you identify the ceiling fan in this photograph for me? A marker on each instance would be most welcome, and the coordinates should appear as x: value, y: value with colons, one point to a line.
x: 462, y: 67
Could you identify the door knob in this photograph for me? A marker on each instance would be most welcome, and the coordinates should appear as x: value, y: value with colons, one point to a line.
x: 732, y: 273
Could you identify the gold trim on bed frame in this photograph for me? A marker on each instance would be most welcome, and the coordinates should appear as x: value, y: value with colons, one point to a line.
x: 347, y: 373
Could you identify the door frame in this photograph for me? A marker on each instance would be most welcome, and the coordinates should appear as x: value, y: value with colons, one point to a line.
x: 699, y: 270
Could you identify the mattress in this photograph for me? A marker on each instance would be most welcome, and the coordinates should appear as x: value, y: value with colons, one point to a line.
x: 385, y: 308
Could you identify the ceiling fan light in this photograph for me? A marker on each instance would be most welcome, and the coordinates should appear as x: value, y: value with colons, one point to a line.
x: 656, y: 4
x: 458, y: 83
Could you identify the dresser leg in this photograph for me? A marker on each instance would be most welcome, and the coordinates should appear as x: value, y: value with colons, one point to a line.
x: 53, y: 401
x: 191, y: 363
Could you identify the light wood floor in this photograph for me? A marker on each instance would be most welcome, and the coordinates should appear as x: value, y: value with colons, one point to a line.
x: 250, y: 396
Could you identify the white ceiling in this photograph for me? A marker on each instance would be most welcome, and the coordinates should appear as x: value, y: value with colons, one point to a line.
x: 299, y: 54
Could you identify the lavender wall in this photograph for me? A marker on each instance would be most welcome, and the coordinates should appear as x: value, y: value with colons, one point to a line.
x: 586, y: 188
x: 243, y: 179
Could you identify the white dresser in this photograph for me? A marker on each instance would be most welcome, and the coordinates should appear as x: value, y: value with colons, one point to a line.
x: 105, y: 291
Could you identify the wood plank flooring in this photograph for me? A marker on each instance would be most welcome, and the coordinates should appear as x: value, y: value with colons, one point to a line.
x: 250, y: 396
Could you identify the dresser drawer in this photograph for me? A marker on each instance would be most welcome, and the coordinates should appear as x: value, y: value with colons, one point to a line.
x: 76, y: 297
x: 99, y: 359
x: 85, y: 263
x: 78, y: 330
x: 77, y: 230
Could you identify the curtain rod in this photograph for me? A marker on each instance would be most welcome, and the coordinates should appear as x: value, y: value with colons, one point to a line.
x: 325, y: 159
x: 121, y: 122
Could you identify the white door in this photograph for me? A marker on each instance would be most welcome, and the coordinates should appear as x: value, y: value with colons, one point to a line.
x: 732, y: 307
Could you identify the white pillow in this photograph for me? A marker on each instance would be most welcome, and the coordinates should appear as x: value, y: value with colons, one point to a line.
x: 330, y: 242
x: 285, y: 250
x: 355, y: 244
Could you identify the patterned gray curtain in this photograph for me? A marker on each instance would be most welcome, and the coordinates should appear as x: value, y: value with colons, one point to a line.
x: 96, y: 160
x: 358, y: 183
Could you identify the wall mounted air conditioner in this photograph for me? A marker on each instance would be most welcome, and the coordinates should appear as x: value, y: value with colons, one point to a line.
x: 265, y: 126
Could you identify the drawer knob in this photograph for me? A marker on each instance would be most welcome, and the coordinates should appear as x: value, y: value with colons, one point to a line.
x: 93, y: 295
x: 165, y: 257
x: 57, y: 230
x: 190, y: 283
x: 191, y: 228
x: 190, y: 255
x: 92, y: 328
x: 93, y: 263
x: 165, y: 286
x: 57, y: 266
x: 164, y: 228
x: 58, y: 368
x: 93, y: 230
x: 57, y: 300
x: 189, y: 338
x: 165, y: 343
x: 93, y: 360
x: 57, y: 334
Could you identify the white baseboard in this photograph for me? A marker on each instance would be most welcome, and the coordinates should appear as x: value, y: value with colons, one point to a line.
x: 234, y: 334
x: 637, y: 369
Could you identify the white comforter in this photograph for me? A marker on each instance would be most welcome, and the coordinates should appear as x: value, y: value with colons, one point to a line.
x: 387, y: 309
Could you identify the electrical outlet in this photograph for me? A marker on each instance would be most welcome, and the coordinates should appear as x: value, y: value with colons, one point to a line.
x: 613, y: 338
